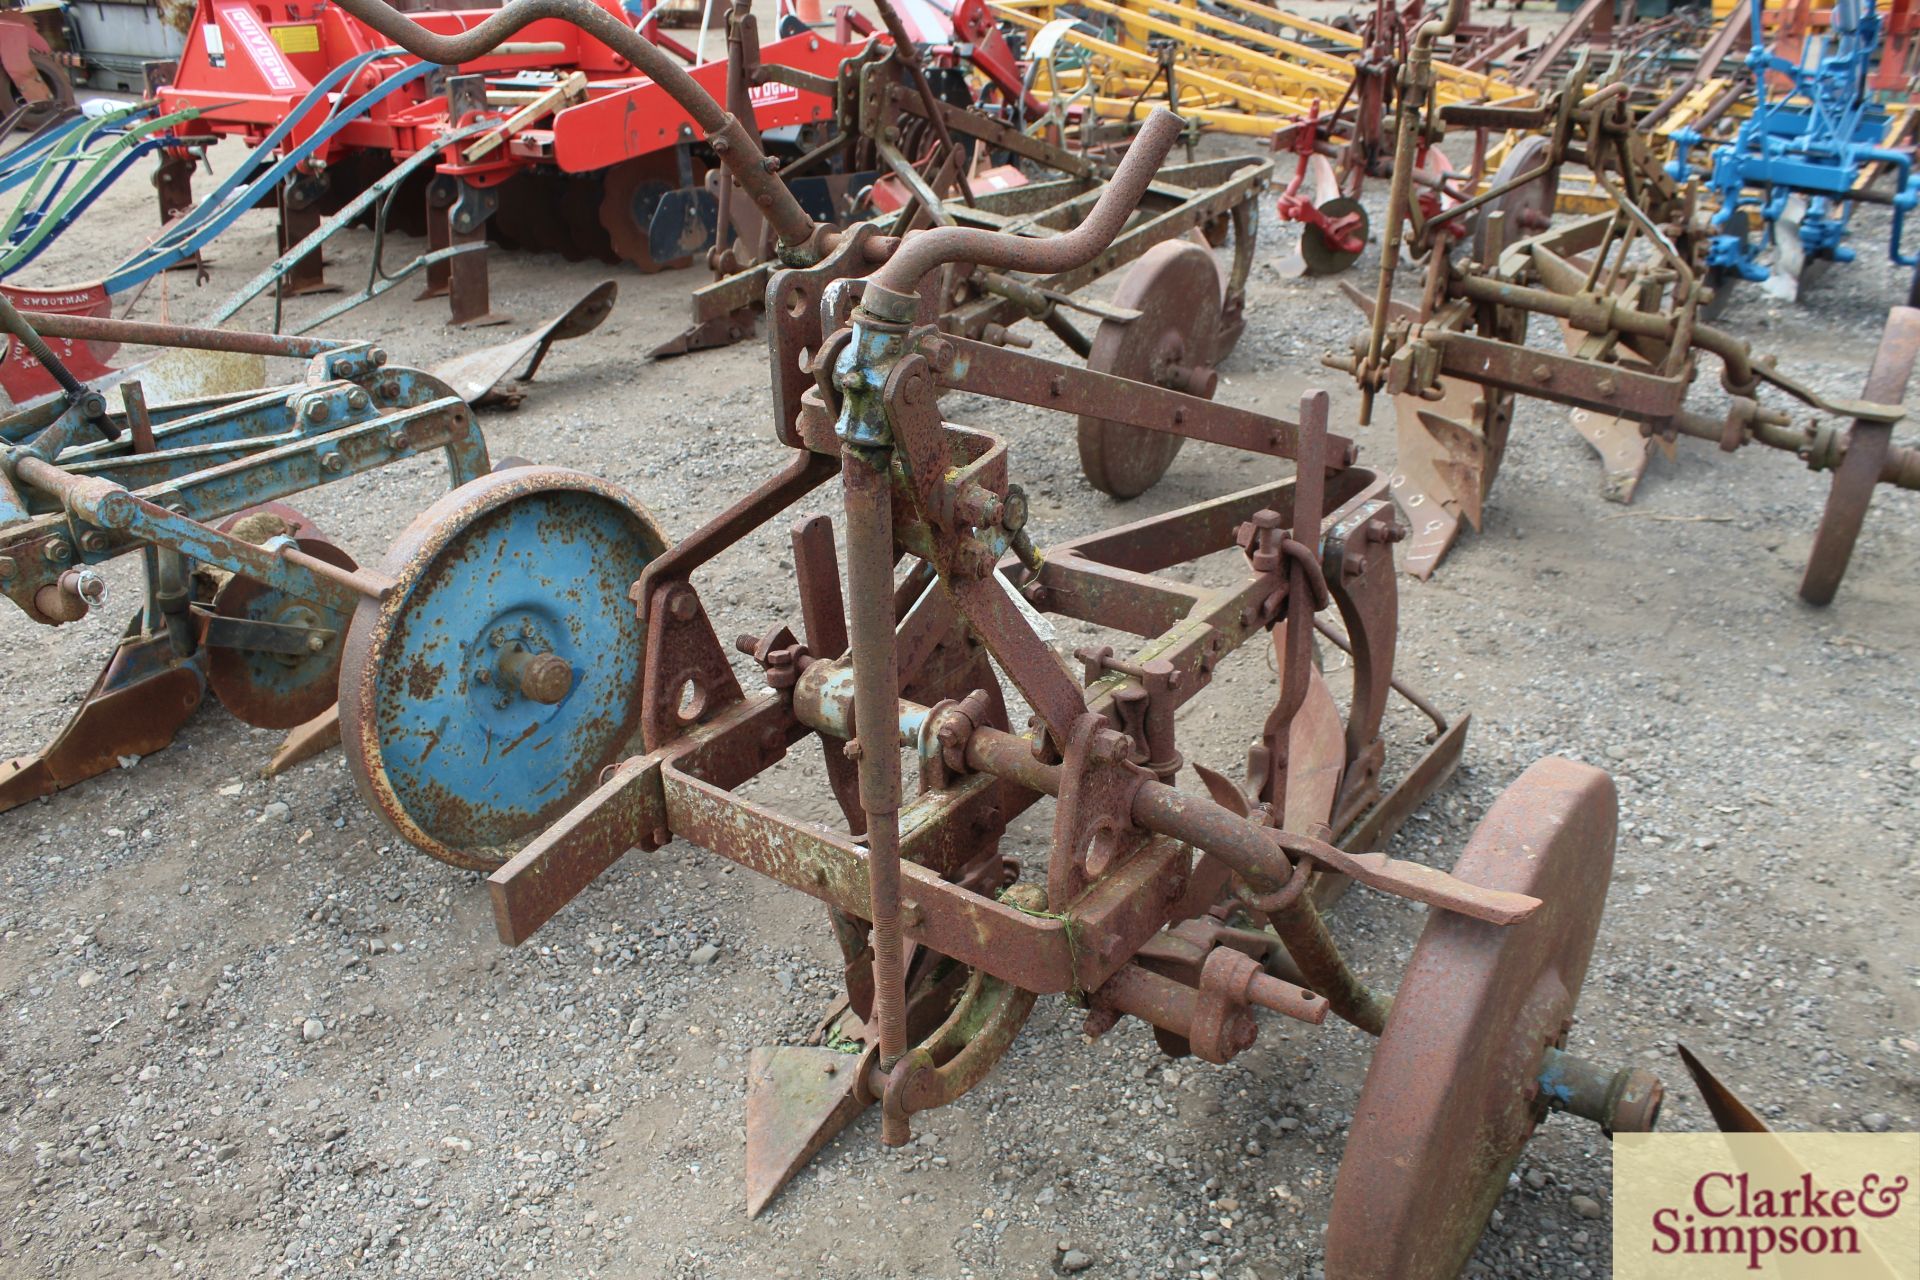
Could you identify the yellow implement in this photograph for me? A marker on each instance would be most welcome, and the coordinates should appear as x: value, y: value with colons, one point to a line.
x: 1227, y: 76
x: 1122, y: 75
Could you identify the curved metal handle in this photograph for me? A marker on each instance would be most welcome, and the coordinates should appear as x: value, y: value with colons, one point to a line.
x: 732, y: 141
x: 1445, y: 25
x: 927, y: 251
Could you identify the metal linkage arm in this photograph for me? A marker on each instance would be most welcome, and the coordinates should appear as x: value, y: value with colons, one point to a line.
x: 891, y: 291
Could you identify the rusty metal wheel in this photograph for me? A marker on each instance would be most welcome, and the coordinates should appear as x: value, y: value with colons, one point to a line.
x: 274, y: 680
x: 1529, y: 208
x: 1176, y: 287
x: 1453, y: 1092
x: 1858, y: 474
x: 482, y: 698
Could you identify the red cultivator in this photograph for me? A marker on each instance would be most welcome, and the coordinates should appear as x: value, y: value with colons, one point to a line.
x: 553, y: 141
x: 499, y: 624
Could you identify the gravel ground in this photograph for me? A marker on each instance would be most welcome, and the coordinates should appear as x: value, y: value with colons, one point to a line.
x: 250, y: 1033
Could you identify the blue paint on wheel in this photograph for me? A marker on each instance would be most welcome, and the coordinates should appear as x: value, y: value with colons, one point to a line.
x: 448, y: 737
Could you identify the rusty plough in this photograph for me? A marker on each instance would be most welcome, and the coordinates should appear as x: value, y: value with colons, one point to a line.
x: 534, y: 619
x: 244, y: 596
x: 1628, y: 289
x: 933, y: 161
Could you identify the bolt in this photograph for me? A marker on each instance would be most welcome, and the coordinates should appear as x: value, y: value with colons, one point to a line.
x: 58, y: 551
x: 526, y: 627
x: 316, y: 411
x: 721, y: 146
x: 1109, y: 747
x: 1606, y: 386
x: 333, y: 463
x: 378, y: 356
x: 1013, y: 509
x: 93, y: 540
x: 397, y: 438
x: 1541, y: 373
x: 8, y: 566
x: 483, y: 676
x: 358, y: 398
x: 661, y: 835
x: 683, y: 605
x: 316, y: 643
x: 543, y: 677
x: 388, y: 390
x: 852, y: 750
x: 910, y: 913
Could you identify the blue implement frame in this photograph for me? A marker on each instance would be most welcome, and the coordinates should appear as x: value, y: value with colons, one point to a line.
x: 1817, y: 141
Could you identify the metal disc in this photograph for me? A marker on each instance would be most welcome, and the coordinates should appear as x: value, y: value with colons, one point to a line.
x: 1452, y: 1094
x: 271, y: 690
x: 1858, y: 474
x: 1528, y: 208
x: 556, y: 229
x: 582, y: 205
x: 515, y: 221
x: 1322, y: 256
x: 1176, y: 288
x: 445, y: 731
x: 632, y: 190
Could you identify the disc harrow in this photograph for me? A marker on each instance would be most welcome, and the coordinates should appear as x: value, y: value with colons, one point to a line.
x: 1191, y: 909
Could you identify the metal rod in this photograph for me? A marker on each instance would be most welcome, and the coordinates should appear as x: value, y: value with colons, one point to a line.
x: 106, y: 329
x: 931, y: 250
x: 868, y: 491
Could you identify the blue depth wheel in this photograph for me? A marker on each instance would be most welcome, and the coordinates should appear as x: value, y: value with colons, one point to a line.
x: 485, y: 694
